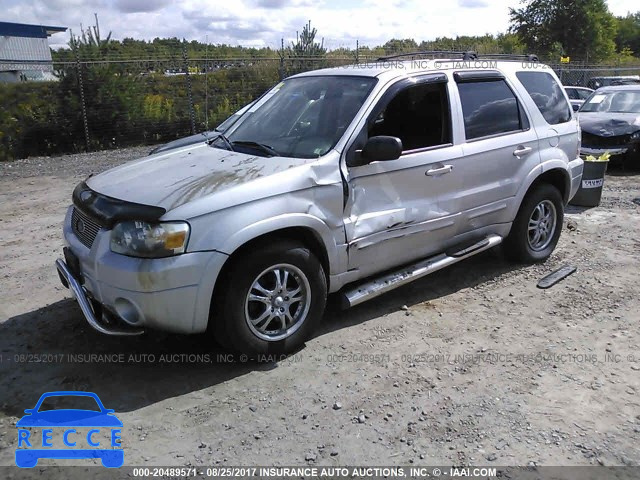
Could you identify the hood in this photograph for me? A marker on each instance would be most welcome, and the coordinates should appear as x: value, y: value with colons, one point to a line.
x: 174, y: 178
x: 606, y: 124
x: 184, y: 142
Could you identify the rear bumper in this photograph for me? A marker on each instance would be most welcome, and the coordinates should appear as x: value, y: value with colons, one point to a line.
x: 575, y: 171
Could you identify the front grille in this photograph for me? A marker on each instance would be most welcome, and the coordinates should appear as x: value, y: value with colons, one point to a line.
x: 84, y: 227
x: 596, y: 141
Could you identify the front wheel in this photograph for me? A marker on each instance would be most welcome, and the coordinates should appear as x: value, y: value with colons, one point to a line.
x: 273, y: 300
x: 536, y: 229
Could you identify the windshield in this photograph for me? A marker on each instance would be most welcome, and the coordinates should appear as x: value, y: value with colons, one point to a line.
x: 302, y: 117
x: 613, y: 102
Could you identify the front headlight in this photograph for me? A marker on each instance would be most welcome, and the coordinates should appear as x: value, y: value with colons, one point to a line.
x: 636, y: 136
x: 149, y: 240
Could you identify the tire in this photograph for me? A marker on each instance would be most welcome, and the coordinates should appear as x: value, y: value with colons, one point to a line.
x: 254, y: 324
x: 543, y: 210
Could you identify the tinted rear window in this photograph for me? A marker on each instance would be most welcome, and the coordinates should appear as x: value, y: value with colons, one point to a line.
x: 489, y: 108
x: 547, y: 95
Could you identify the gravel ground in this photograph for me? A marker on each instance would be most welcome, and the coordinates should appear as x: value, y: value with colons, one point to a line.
x: 82, y: 164
x: 471, y: 366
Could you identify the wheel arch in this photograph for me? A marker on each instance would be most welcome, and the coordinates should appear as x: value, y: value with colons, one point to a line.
x: 517, y: 245
x: 559, y: 178
x: 305, y: 235
x: 554, y: 172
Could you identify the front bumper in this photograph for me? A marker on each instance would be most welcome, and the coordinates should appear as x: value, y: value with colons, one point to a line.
x: 98, y: 320
x: 121, y: 295
x: 630, y: 149
x: 596, y: 152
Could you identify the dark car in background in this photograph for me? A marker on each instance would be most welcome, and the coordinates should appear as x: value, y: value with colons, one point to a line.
x: 597, y: 82
x: 610, y: 122
x: 204, y: 136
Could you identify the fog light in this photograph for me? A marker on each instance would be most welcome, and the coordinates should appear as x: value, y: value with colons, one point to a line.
x: 127, y: 311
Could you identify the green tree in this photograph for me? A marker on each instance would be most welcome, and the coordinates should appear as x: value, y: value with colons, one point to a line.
x: 395, y: 45
x: 585, y: 29
x: 628, y: 36
x: 89, y: 40
x: 305, y: 45
x: 303, y: 54
x: 510, y: 43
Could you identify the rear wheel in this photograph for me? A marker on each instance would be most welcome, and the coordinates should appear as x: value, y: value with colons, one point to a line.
x: 536, y: 229
x: 273, y: 299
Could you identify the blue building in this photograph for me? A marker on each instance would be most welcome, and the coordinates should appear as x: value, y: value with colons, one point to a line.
x: 25, y: 53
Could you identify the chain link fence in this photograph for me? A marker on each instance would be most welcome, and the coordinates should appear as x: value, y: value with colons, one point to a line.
x: 587, y: 76
x: 100, y: 104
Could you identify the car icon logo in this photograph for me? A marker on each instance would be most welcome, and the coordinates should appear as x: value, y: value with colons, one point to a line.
x: 60, y: 433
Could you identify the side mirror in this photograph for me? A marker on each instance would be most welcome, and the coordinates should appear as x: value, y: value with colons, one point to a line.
x: 575, y: 107
x: 381, y: 149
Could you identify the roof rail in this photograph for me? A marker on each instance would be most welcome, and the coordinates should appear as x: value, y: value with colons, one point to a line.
x: 530, y: 57
x: 466, y: 56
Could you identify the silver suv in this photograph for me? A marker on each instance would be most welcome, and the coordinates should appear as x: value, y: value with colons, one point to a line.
x: 354, y: 179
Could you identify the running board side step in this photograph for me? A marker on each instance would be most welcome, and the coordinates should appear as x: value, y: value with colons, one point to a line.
x: 398, y: 278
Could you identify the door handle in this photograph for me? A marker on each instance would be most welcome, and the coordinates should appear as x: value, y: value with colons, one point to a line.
x: 520, y: 151
x: 439, y: 171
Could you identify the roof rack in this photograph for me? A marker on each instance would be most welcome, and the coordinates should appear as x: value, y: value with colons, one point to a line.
x: 466, y: 56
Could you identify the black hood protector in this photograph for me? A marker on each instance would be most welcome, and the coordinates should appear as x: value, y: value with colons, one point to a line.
x: 108, y: 211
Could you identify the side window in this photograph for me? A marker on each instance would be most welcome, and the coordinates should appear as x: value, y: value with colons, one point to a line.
x: 584, y: 94
x: 573, y: 93
x: 547, y: 95
x: 417, y: 115
x: 489, y: 108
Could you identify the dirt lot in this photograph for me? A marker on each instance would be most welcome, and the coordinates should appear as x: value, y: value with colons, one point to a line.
x: 473, y: 365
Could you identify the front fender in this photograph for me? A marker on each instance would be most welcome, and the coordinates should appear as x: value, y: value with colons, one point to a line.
x: 280, y: 222
x: 250, y: 232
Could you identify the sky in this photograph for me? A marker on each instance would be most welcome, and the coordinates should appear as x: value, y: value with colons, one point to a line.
x: 257, y: 23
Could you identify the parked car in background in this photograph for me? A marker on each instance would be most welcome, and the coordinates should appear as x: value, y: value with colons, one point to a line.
x: 610, y: 122
x: 349, y: 179
x: 597, y: 82
x: 577, y: 96
x: 204, y: 136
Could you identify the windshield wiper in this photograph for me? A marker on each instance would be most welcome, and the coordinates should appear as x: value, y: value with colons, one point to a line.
x: 225, y: 140
x: 260, y: 146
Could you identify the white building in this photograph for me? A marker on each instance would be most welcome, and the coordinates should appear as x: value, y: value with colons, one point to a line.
x: 25, y: 53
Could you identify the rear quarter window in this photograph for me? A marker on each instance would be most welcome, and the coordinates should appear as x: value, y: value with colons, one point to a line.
x: 547, y: 95
x: 489, y: 108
